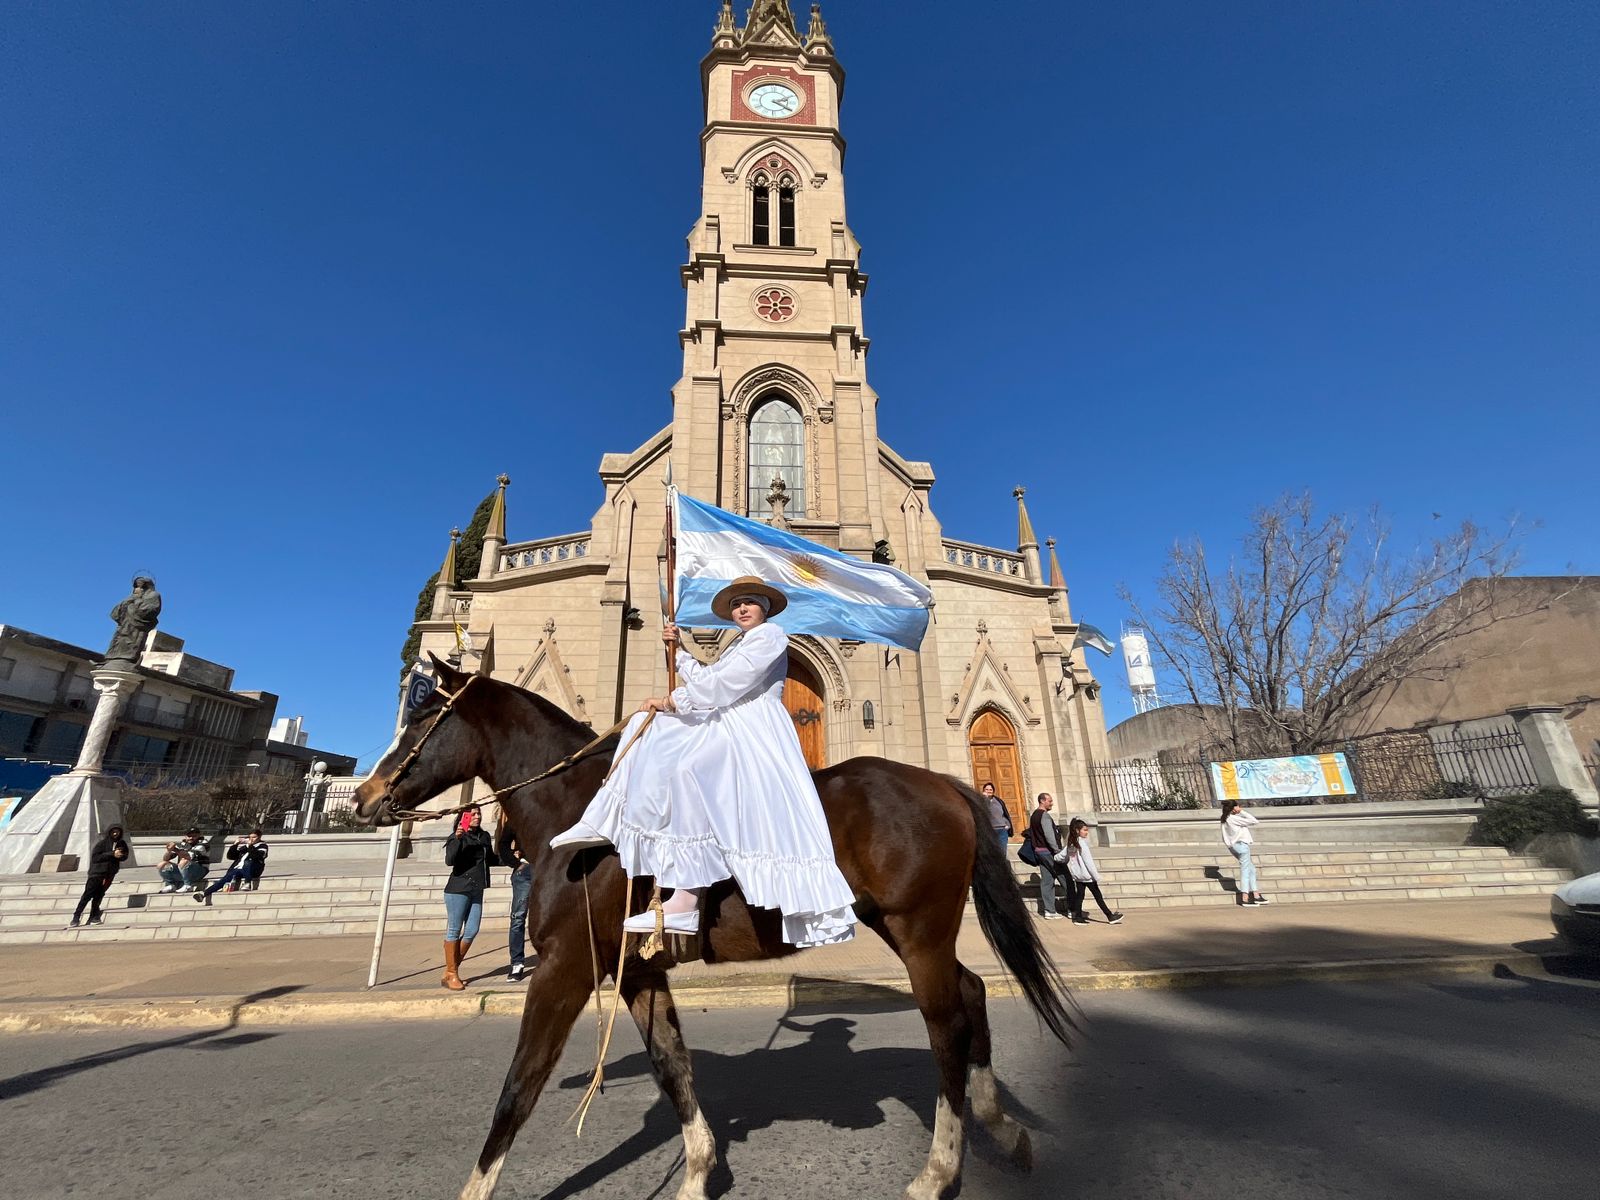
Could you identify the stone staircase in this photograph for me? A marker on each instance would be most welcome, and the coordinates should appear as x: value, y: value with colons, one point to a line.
x: 334, y: 898
x: 1181, y: 876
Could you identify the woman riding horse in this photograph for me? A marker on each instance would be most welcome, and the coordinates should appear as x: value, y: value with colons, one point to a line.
x: 719, y: 788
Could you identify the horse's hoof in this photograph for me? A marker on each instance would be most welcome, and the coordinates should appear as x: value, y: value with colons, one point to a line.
x: 1022, y: 1152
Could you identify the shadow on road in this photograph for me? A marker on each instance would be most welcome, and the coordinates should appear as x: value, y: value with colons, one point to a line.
x: 207, y: 1039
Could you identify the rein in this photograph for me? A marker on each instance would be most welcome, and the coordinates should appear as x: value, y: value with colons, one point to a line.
x: 418, y: 814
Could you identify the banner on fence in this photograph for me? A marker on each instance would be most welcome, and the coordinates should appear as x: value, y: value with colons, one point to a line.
x: 1279, y: 778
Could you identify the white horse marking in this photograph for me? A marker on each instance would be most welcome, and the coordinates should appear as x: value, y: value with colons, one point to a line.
x: 944, y: 1160
x: 699, y: 1156
x: 1013, y: 1138
x: 481, y: 1185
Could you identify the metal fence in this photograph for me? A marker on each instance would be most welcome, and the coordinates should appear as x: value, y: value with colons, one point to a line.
x: 1390, y: 768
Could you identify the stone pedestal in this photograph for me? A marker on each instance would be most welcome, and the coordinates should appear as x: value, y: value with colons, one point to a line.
x: 1555, y: 757
x: 70, y: 813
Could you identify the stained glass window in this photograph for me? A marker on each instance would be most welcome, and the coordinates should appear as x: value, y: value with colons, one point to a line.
x: 777, y: 450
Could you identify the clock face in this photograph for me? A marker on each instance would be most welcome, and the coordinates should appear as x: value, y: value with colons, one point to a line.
x: 775, y: 101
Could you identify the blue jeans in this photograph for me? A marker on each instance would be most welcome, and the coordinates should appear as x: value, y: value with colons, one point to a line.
x: 242, y: 872
x: 1004, y: 835
x: 178, y: 877
x: 1247, y: 869
x: 463, y: 912
x: 521, y: 886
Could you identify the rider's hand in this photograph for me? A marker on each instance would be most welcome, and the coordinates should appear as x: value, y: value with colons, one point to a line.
x: 669, y: 634
x: 657, y: 704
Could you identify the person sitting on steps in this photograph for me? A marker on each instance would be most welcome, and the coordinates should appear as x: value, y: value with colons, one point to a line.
x: 718, y: 787
x: 247, y: 859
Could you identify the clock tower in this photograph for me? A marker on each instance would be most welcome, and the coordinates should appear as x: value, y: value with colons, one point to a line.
x: 774, y: 359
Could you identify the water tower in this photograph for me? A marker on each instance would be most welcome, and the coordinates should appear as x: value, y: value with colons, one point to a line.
x: 1141, y: 671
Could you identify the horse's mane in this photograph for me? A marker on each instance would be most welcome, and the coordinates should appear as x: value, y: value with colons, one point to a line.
x: 563, y: 723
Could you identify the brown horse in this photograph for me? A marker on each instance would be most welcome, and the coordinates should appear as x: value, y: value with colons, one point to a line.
x: 911, y: 843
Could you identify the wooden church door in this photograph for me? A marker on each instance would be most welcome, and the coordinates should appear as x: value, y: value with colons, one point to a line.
x: 993, y: 746
x: 802, y: 696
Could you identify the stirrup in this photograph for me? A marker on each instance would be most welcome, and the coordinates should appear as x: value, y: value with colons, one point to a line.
x: 645, y: 922
x: 579, y: 837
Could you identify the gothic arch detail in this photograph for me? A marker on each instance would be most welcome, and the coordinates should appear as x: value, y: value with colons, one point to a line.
x: 751, y: 159
x: 546, y: 675
x: 758, y: 385
x: 987, y: 683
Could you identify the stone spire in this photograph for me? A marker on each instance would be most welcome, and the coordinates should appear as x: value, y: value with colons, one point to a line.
x: 817, y: 39
x: 726, y: 35
x: 770, y: 23
x: 1057, y: 579
x: 447, y: 579
x: 1027, y: 541
x: 494, y: 537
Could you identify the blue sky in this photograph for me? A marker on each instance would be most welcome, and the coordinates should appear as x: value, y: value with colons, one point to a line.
x: 283, y: 287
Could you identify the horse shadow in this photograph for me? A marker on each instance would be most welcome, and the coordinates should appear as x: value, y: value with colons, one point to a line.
x: 742, y: 1085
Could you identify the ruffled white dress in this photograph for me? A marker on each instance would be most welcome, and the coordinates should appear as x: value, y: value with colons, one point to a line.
x: 720, y: 789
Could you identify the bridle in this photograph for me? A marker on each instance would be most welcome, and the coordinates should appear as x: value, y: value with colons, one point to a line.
x: 450, y: 699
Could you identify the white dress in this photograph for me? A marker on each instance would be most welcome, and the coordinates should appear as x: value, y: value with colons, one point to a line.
x: 720, y: 789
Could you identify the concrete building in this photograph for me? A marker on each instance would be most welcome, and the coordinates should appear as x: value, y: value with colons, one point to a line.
x: 186, y: 719
x: 774, y: 416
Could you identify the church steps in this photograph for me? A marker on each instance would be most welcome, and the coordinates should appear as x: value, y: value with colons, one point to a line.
x: 35, y: 909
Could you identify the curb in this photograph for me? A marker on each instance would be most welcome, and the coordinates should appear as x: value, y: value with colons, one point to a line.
x: 329, y: 1008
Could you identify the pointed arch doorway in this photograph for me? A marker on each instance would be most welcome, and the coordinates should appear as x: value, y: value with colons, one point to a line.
x: 802, y: 696
x: 992, y: 746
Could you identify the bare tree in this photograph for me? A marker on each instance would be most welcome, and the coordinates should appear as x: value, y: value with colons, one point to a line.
x: 1316, y: 617
x: 157, y: 804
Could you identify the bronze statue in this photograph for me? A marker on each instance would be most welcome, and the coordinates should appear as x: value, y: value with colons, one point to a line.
x: 135, y: 617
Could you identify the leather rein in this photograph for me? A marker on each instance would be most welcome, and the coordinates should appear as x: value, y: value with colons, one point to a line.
x: 419, y: 814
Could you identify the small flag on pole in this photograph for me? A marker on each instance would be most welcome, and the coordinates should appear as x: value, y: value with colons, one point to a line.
x: 1091, y: 637
x: 830, y: 594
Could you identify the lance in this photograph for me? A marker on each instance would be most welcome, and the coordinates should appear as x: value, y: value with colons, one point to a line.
x: 669, y: 594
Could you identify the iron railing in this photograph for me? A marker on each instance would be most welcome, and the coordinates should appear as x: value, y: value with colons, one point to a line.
x: 1393, y: 768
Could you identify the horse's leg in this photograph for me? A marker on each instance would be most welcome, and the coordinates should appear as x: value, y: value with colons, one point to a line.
x: 560, y: 988
x: 936, y: 984
x: 650, y: 1002
x: 1013, y: 1138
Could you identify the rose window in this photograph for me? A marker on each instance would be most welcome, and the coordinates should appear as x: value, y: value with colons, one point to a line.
x: 775, y: 304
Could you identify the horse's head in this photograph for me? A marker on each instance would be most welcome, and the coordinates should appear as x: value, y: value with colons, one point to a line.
x: 439, y: 747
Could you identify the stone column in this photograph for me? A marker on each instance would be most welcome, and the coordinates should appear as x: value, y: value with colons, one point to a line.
x: 61, y: 823
x: 1555, y: 757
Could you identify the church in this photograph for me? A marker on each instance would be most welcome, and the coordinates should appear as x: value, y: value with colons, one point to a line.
x: 774, y: 417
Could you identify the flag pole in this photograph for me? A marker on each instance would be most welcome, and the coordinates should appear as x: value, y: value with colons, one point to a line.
x: 669, y: 601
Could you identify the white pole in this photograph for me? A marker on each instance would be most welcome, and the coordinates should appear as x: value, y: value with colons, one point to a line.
x: 383, y: 903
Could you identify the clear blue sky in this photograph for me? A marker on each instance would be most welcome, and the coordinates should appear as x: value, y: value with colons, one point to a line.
x: 284, y: 286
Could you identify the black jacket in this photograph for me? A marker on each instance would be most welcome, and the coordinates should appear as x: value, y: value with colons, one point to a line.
x: 470, y: 856
x: 103, y: 860
x: 241, y: 852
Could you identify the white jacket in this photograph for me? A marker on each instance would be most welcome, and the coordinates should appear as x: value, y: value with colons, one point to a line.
x: 1080, y: 862
x: 1237, y: 828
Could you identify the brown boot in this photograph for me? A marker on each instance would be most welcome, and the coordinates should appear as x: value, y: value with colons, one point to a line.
x: 466, y: 944
x: 452, y: 961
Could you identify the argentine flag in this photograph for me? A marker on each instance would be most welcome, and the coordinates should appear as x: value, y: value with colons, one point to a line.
x: 830, y: 594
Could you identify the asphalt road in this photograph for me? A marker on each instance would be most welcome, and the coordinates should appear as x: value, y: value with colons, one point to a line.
x: 1461, y: 1089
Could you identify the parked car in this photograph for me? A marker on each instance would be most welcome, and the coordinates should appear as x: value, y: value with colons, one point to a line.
x: 1575, y: 911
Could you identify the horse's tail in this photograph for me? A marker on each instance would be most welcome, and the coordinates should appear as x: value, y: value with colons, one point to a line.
x: 1004, y: 919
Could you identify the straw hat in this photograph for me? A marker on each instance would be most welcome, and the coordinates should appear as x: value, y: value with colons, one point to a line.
x: 748, y: 585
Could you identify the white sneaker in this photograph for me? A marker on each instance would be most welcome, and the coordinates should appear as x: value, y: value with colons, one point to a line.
x: 167, y: 887
x: 578, y: 837
x: 186, y: 889
x: 1050, y: 916
x: 645, y: 922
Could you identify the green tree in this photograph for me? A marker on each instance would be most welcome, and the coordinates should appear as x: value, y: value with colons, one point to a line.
x: 469, y: 555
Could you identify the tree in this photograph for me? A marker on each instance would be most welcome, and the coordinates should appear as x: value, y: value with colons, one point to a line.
x: 469, y: 555
x: 1316, y: 617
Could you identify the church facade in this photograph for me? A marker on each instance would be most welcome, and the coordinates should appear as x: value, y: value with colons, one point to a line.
x: 774, y: 417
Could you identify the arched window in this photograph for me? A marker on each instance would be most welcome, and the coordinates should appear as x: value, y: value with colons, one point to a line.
x: 768, y: 192
x: 777, y: 451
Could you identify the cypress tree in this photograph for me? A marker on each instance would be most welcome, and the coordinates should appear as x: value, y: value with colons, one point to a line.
x: 469, y: 554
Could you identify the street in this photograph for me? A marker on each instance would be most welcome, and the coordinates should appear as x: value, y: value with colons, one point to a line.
x: 1464, y: 1088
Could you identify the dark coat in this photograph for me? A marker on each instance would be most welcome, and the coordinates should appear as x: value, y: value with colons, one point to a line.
x: 256, y: 856
x: 470, y: 856
x: 103, y: 860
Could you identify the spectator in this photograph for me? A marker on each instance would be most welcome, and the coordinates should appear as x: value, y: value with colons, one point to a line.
x: 521, y: 888
x: 185, y: 863
x: 999, y: 816
x: 1045, y: 838
x: 1085, y: 874
x: 470, y: 855
x: 1236, y: 836
x: 247, y: 859
x: 105, y: 860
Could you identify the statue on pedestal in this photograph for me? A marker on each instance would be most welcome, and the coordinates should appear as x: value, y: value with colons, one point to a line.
x: 135, y: 617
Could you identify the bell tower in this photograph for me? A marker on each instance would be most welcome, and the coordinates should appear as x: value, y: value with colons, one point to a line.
x: 774, y: 358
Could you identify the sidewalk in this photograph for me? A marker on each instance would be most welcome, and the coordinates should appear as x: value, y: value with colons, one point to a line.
x: 293, y: 980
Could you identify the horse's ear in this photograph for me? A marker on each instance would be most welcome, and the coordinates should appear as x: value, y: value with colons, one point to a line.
x: 443, y: 671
